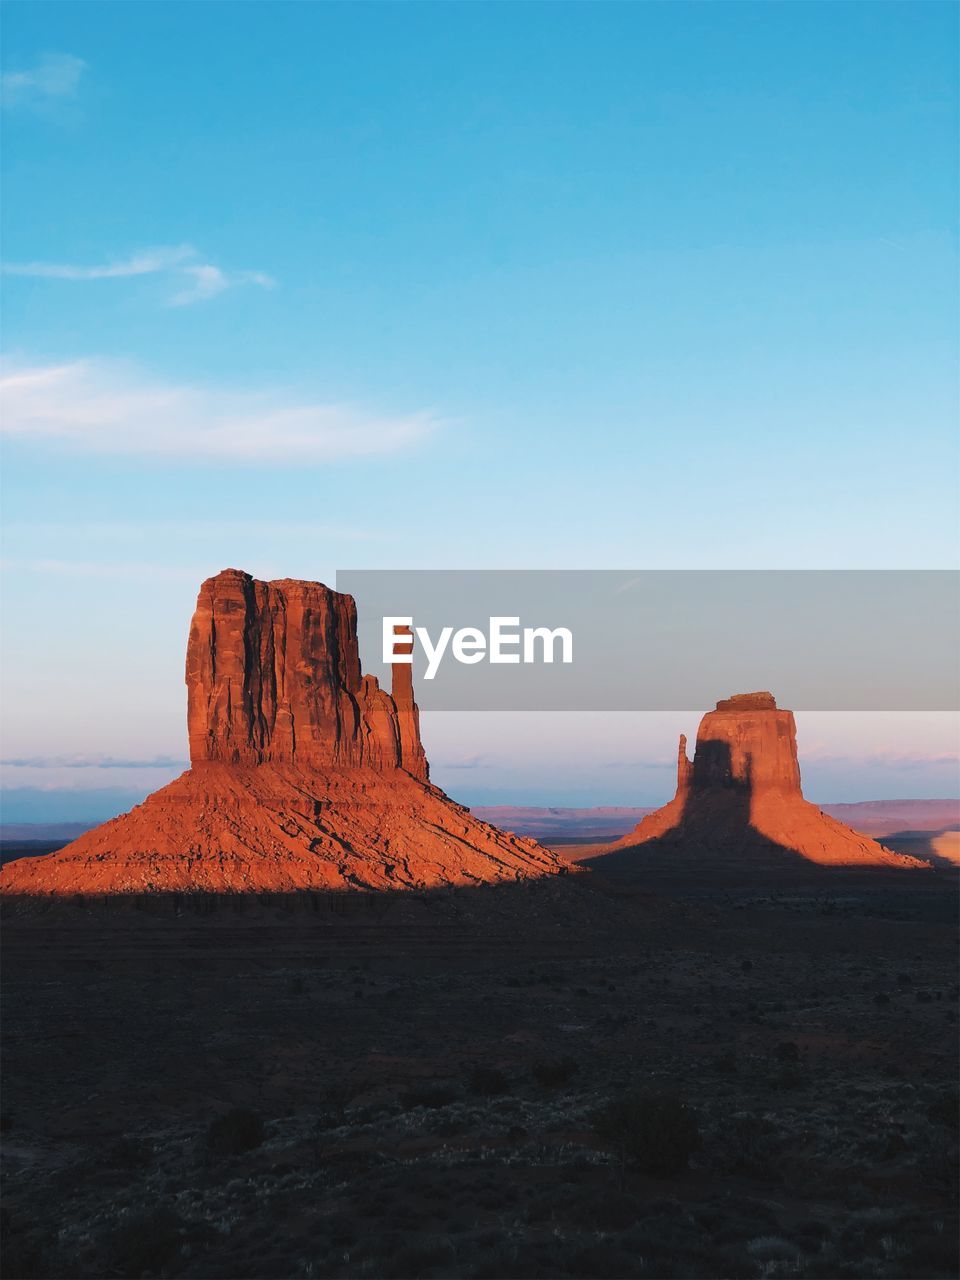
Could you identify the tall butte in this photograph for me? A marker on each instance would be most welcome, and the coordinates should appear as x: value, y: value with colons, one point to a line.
x: 740, y: 797
x: 304, y: 774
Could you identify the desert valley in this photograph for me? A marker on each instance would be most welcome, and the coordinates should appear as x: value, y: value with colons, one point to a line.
x: 299, y: 1014
x: 540, y: 859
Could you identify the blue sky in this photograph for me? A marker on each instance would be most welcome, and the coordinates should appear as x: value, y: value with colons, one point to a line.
x: 299, y: 287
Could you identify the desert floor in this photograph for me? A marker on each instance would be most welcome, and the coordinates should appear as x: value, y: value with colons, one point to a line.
x: 492, y: 1082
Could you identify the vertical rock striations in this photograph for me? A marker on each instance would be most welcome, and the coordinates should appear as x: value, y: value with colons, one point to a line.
x: 273, y: 675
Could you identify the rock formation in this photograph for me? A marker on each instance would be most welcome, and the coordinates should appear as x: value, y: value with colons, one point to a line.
x: 741, y: 795
x: 273, y: 675
x: 304, y: 774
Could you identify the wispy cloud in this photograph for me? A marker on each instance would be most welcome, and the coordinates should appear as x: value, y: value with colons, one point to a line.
x: 53, y: 78
x: 208, y: 281
x: 144, y: 263
x: 472, y: 762
x: 129, y: 786
x: 202, y: 280
x: 92, y: 762
x: 639, y: 764
x: 96, y: 406
x: 110, y: 570
x: 898, y: 760
x: 189, y: 530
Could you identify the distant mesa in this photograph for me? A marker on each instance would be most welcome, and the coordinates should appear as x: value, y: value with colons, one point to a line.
x: 304, y: 774
x: 740, y: 798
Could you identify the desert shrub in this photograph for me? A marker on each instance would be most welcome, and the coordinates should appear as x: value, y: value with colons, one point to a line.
x: 452, y: 1122
x: 146, y: 1243
x: 235, y: 1132
x: 788, y: 1051
x: 945, y: 1109
x: 889, y: 1146
x: 337, y: 1095
x: 725, y: 1064
x: 552, y: 979
x: 128, y: 1153
x: 813, y: 1229
x: 788, y: 1075
x: 746, y: 1144
x: 666, y: 1234
x: 656, y: 1132
x: 550, y: 1073
x: 772, y: 1249
x: 21, y: 1252
x: 602, y: 1259
x: 24, y: 1259
x: 934, y: 1249
x: 488, y: 1081
x: 603, y: 1209
x: 420, y: 1257
x: 494, y: 1198
x: 429, y: 1094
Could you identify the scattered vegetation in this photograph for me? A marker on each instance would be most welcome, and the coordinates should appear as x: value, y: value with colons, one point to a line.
x: 551, y: 1073
x: 488, y: 1081
x: 945, y: 1109
x: 146, y: 1242
x: 235, y: 1132
x: 431, y: 1093
x: 472, y: 1120
x: 656, y: 1132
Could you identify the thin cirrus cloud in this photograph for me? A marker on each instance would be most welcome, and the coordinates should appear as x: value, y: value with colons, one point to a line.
x: 899, y: 760
x: 95, y: 406
x: 53, y: 78
x: 92, y: 762
x: 111, y: 570
x: 207, y: 281
x: 145, y: 262
x: 472, y: 762
x: 182, y: 263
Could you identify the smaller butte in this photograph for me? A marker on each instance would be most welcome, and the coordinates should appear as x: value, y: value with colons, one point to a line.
x: 740, y: 797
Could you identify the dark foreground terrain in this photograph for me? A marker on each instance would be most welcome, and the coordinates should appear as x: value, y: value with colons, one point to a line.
x: 578, y: 1078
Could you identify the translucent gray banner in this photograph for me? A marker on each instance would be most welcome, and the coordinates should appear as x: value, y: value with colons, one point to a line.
x: 659, y: 640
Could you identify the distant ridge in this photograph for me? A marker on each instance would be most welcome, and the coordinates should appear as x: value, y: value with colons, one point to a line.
x: 43, y: 832
x: 871, y: 817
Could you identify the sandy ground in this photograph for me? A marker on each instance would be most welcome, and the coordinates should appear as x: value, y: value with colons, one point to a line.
x: 428, y: 1074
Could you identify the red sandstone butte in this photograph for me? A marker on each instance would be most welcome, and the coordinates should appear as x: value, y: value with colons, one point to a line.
x: 304, y: 774
x: 741, y: 795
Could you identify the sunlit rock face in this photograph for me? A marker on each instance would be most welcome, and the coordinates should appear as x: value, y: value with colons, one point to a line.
x: 273, y: 675
x: 741, y: 794
x: 305, y: 774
